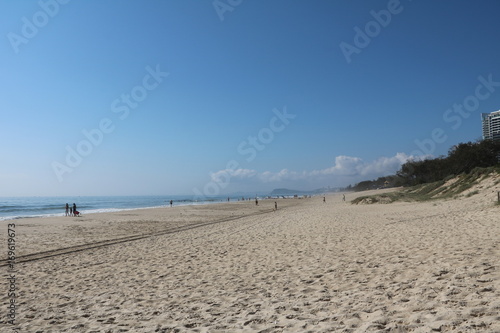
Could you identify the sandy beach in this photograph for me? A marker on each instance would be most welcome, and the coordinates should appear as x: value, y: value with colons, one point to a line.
x: 236, y: 267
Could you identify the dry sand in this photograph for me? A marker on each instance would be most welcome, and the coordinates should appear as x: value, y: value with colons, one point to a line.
x: 309, y: 267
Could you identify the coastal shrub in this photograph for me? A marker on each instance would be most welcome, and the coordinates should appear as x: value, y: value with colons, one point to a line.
x: 472, y: 193
x: 463, y: 158
x: 364, y: 199
x: 430, y: 191
x: 449, y: 177
x: 425, y: 179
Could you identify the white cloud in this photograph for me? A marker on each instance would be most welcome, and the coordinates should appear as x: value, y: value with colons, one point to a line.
x: 385, y: 165
x: 344, y: 167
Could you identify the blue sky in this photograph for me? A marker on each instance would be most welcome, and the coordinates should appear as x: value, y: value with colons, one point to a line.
x: 215, y: 97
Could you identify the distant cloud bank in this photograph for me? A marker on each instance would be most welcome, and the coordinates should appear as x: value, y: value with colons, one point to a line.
x: 344, y: 168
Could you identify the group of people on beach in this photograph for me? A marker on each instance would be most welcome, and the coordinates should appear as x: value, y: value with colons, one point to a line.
x: 71, y: 211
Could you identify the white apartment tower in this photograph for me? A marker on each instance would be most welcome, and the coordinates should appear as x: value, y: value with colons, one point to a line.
x: 491, y: 125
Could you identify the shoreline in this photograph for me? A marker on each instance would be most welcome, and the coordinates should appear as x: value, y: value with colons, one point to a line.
x: 177, y: 203
x: 101, y: 226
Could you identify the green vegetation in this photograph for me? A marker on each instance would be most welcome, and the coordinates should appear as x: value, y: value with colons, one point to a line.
x: 442, y: 189
x: 438, y: 178
x: 462, y: 159
x: 382, y: 182
x: 472, y: 193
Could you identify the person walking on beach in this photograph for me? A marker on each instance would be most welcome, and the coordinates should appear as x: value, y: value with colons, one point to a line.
x: 275, y: 206
x: 256, y: 201
x: 171, y: 203
x: 74, y: 208
x: 67, y: 210
x: 343, y: 197
x: 324, y: 199
x: 70, y: 211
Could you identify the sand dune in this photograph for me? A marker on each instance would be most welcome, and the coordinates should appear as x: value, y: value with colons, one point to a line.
x: 309, y: 267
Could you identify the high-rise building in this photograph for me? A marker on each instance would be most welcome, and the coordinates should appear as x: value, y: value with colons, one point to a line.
x: 491, y: 125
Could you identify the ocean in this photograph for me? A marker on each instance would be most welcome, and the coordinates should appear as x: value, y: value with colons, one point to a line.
x: 25, y: 207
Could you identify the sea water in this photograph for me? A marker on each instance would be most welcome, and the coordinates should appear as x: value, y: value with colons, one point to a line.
x: 24, y: 207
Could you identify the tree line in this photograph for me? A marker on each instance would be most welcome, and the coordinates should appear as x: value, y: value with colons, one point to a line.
x: 461, y: 158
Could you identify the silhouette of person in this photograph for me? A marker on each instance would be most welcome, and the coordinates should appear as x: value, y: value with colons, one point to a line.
x: 67, y: 210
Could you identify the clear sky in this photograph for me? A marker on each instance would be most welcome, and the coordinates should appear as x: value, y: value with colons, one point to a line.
x: 215, y: 97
